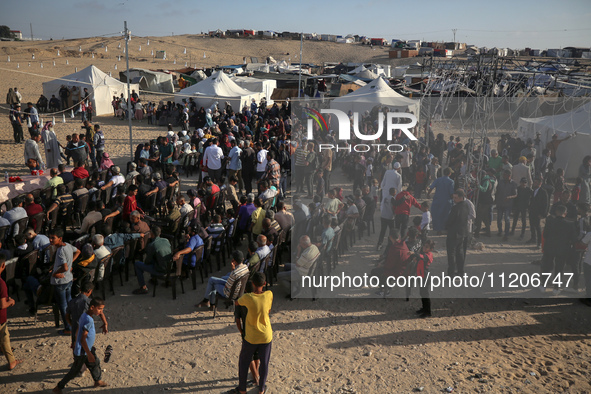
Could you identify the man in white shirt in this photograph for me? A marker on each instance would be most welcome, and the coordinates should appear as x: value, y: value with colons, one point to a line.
x: 116, y: 180
x: 261, y: 161
x: 212, y: 158
x: 184, y: 207
x: 392, y: 179
x: 266, y: 192
x: 16, y: 213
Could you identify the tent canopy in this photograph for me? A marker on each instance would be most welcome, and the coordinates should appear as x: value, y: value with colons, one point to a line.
x: 571, y: 152
x: 218, y: 87
x: 263, y: 86
x: 101, y: 87
x: 155, y: 81
x: 375, y: 93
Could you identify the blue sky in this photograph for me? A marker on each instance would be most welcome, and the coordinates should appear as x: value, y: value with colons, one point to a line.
x: 516, y: 24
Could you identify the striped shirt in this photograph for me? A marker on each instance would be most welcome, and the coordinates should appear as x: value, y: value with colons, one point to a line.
x: 301, y: 156
x: 235, y: 275
x: 273, y: 172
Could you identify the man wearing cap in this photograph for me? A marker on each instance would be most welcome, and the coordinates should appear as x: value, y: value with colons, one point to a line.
x: 392, y: 178
x: 132, y: 172
x: 16, y: 119
x: 116, y: 180
x: 521, y: 170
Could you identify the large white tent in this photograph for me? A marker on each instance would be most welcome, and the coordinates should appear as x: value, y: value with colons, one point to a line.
x: 570, y: 153
x: 375, y: 93
x: 218, y: 88
x: 264, y: 86
x: 101, y: 87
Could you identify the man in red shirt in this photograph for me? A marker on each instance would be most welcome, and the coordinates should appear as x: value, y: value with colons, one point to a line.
x: 403, y: 202
x: 80, y: 172
x: 130, y: 203
x: 32, y: 209
x: 5, y: 303
x: 211, y: 189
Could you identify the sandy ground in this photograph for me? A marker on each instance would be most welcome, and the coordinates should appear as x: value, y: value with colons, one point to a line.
x: 330, y: 345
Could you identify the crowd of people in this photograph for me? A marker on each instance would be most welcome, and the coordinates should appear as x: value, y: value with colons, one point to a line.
x: 96, y: 212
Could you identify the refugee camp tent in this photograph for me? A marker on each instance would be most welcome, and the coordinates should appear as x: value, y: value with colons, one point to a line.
x: 155, y: 81
x: 263, y: 86
x: 375, y: 93
x: 218, y: 88
x: 575, y: 124
x: 101, y: 87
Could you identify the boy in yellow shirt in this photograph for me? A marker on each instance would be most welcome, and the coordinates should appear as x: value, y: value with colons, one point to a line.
x: 258, y: 334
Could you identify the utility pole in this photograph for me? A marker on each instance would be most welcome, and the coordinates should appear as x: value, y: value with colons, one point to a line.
x: 129, y: 109
x: 300, y: 73
x: 454, y: 31
x: 30, y: 24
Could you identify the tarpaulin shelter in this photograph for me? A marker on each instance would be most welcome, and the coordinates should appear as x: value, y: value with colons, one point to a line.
x: 155, y: 81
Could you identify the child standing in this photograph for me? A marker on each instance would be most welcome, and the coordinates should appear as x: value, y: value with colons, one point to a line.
x: 420, y: 181
x: 369, y: 170
x: 375, y: 188
x: 258, y: 333
x: 84, y: 351
x: 425, y: 220
x: 89, y: 110
x: 558, y: 184
x: 576, y: 192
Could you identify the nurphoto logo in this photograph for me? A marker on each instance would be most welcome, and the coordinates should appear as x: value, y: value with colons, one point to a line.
x: 393, y: 121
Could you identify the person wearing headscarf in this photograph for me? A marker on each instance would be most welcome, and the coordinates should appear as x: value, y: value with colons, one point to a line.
x: 52, y: 148
x: 106, y: 163
x: 208, y: 118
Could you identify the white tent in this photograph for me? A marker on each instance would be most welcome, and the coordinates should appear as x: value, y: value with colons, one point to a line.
x: 570, y: 153
x: 263, y: 86
x: 156, y: 81
x: 101, y: 87
x: 219, y: 87
x: 377, y: 92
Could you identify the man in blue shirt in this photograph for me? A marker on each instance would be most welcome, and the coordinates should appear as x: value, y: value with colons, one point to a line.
x: 193, y: 242
x: 84, y: 353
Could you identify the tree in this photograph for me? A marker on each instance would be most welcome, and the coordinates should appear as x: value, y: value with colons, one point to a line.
x: 5, y: 32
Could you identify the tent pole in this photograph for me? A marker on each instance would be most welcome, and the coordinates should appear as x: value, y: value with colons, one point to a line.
x: 127, y: 33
